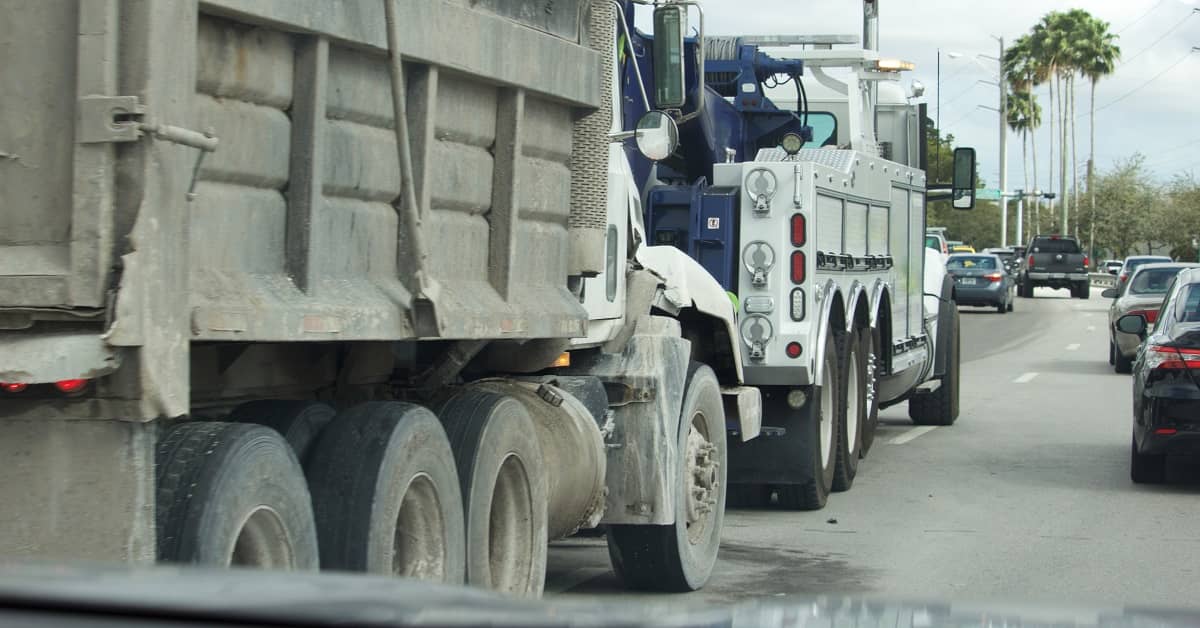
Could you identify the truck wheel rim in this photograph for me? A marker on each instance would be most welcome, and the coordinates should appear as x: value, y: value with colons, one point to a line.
x: 511, y: 536
x: 852, y: 405
x: 419, y: 542
x: 701, y: 479
x: 826, y: 414
x: 263, y: 542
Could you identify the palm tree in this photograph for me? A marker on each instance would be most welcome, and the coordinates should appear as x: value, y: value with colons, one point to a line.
x: 1049, y: 48
x: 1098, y: 54
x: 1025, y: 115
x: 1023, y: 71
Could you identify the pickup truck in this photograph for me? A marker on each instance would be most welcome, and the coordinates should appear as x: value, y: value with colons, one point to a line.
x: 1055, y: 261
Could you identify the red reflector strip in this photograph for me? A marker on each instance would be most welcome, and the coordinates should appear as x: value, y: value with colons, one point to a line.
x: 1165, y: 431
x: 799, y: 234
x: 794, y: 350
x: 70, y: 385
x: 12, y: 387
x: 798, y: 267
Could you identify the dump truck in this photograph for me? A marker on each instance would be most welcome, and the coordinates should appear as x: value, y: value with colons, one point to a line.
x: 356, y: 285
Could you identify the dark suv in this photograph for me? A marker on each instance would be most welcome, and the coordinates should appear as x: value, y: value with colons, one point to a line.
x: 1058, y: 262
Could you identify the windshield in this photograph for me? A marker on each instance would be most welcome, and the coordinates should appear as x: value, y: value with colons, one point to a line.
x: 972, y: 262
x: 932, y: 242
x: 1048, y: 245
x: 1153, y: 280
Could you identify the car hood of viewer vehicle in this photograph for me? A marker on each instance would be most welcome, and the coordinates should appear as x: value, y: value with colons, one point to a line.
x: 175, y: 595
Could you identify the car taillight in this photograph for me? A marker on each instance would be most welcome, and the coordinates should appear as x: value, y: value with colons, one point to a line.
x: 1123, y: 277
x: 1149, y: 315
x: 799, y: 234
x: 12, y: 387
x: 70, y: 386
x: 994, y: 277
x: 1085, y: 261
x: 1031, y: 260
x: 1164, y: 357
x: 798, y: 269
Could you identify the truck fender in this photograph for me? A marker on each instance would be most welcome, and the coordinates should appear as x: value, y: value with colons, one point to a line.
x: 942, y: 332
x: 687, y: 284
x: 879, y: 294
x: 830, y: 296
x: 854, y: 295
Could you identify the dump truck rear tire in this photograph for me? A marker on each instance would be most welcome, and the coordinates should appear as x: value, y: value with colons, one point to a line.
x: 386, y: 494
x: 300, y: 422
x: 504, y: 490
x: 231, y: 494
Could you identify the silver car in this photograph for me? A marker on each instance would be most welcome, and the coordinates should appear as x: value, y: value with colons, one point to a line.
x: 1142, y: 293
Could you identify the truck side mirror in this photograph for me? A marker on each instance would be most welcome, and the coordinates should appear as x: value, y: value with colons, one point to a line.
x: 963, y: 186
x: 670, y: 21
x: 657, y: 135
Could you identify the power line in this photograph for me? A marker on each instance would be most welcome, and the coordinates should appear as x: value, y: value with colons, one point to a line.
x: 1140, y: 17
x: 1139, y: 87
x: 962, y: 117
x: 1157, y: 41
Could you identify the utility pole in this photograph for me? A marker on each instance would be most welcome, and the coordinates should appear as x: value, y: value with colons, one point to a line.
x: 1003, y: 146
x: 937, y: 151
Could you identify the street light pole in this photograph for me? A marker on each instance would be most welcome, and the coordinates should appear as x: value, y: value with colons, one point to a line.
x: 1003, y: 146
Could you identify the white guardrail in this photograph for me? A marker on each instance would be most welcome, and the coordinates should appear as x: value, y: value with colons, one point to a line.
x: 1103, y: 280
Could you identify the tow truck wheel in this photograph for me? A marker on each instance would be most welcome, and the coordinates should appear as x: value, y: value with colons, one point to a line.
x: 680, y: 557
x: 873, y: 350
x: 386, y: 494
x: 820, y: 423
x: 232, y: 495
x: 940, y: 407
x: 504, y: 490
x: 853, y: 409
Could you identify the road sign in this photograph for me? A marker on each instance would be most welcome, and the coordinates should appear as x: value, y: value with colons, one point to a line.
x: 987, y: 194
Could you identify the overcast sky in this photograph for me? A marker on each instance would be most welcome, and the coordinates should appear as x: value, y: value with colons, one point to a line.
x: 1158, y: 119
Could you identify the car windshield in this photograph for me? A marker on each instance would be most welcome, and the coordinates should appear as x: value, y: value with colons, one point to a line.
x: 972, y: 262
x: 1050, y: 245
x: 1153, y: 280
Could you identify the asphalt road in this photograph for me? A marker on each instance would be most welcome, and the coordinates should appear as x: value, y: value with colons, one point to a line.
x: 1026, y: 499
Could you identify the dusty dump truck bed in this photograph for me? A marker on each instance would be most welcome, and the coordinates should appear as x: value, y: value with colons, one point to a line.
x: 295, y: 230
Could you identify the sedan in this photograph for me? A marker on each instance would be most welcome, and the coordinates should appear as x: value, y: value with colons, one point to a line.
x: 1166, y: 380
x: 1113, y: 266
x: 980, y: 279
x: 1133, y: 261
x: 1142, y: 294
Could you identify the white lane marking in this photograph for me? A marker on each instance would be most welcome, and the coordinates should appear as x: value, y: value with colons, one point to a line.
x: 1025, y: 378
x: 911, y: 434
x: 1074, y: 346
x: 1091, y: 328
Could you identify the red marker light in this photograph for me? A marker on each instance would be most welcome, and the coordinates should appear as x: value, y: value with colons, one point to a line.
x: 794, y: 350
x: 13, y: 387
x: 1165, y: 431
x: 71, y: 385
x: 799, y: 234
x: 798, y: 269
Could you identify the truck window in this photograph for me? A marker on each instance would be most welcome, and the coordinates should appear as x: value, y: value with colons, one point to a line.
x: 932, y: 242
x: 1054, y: 246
